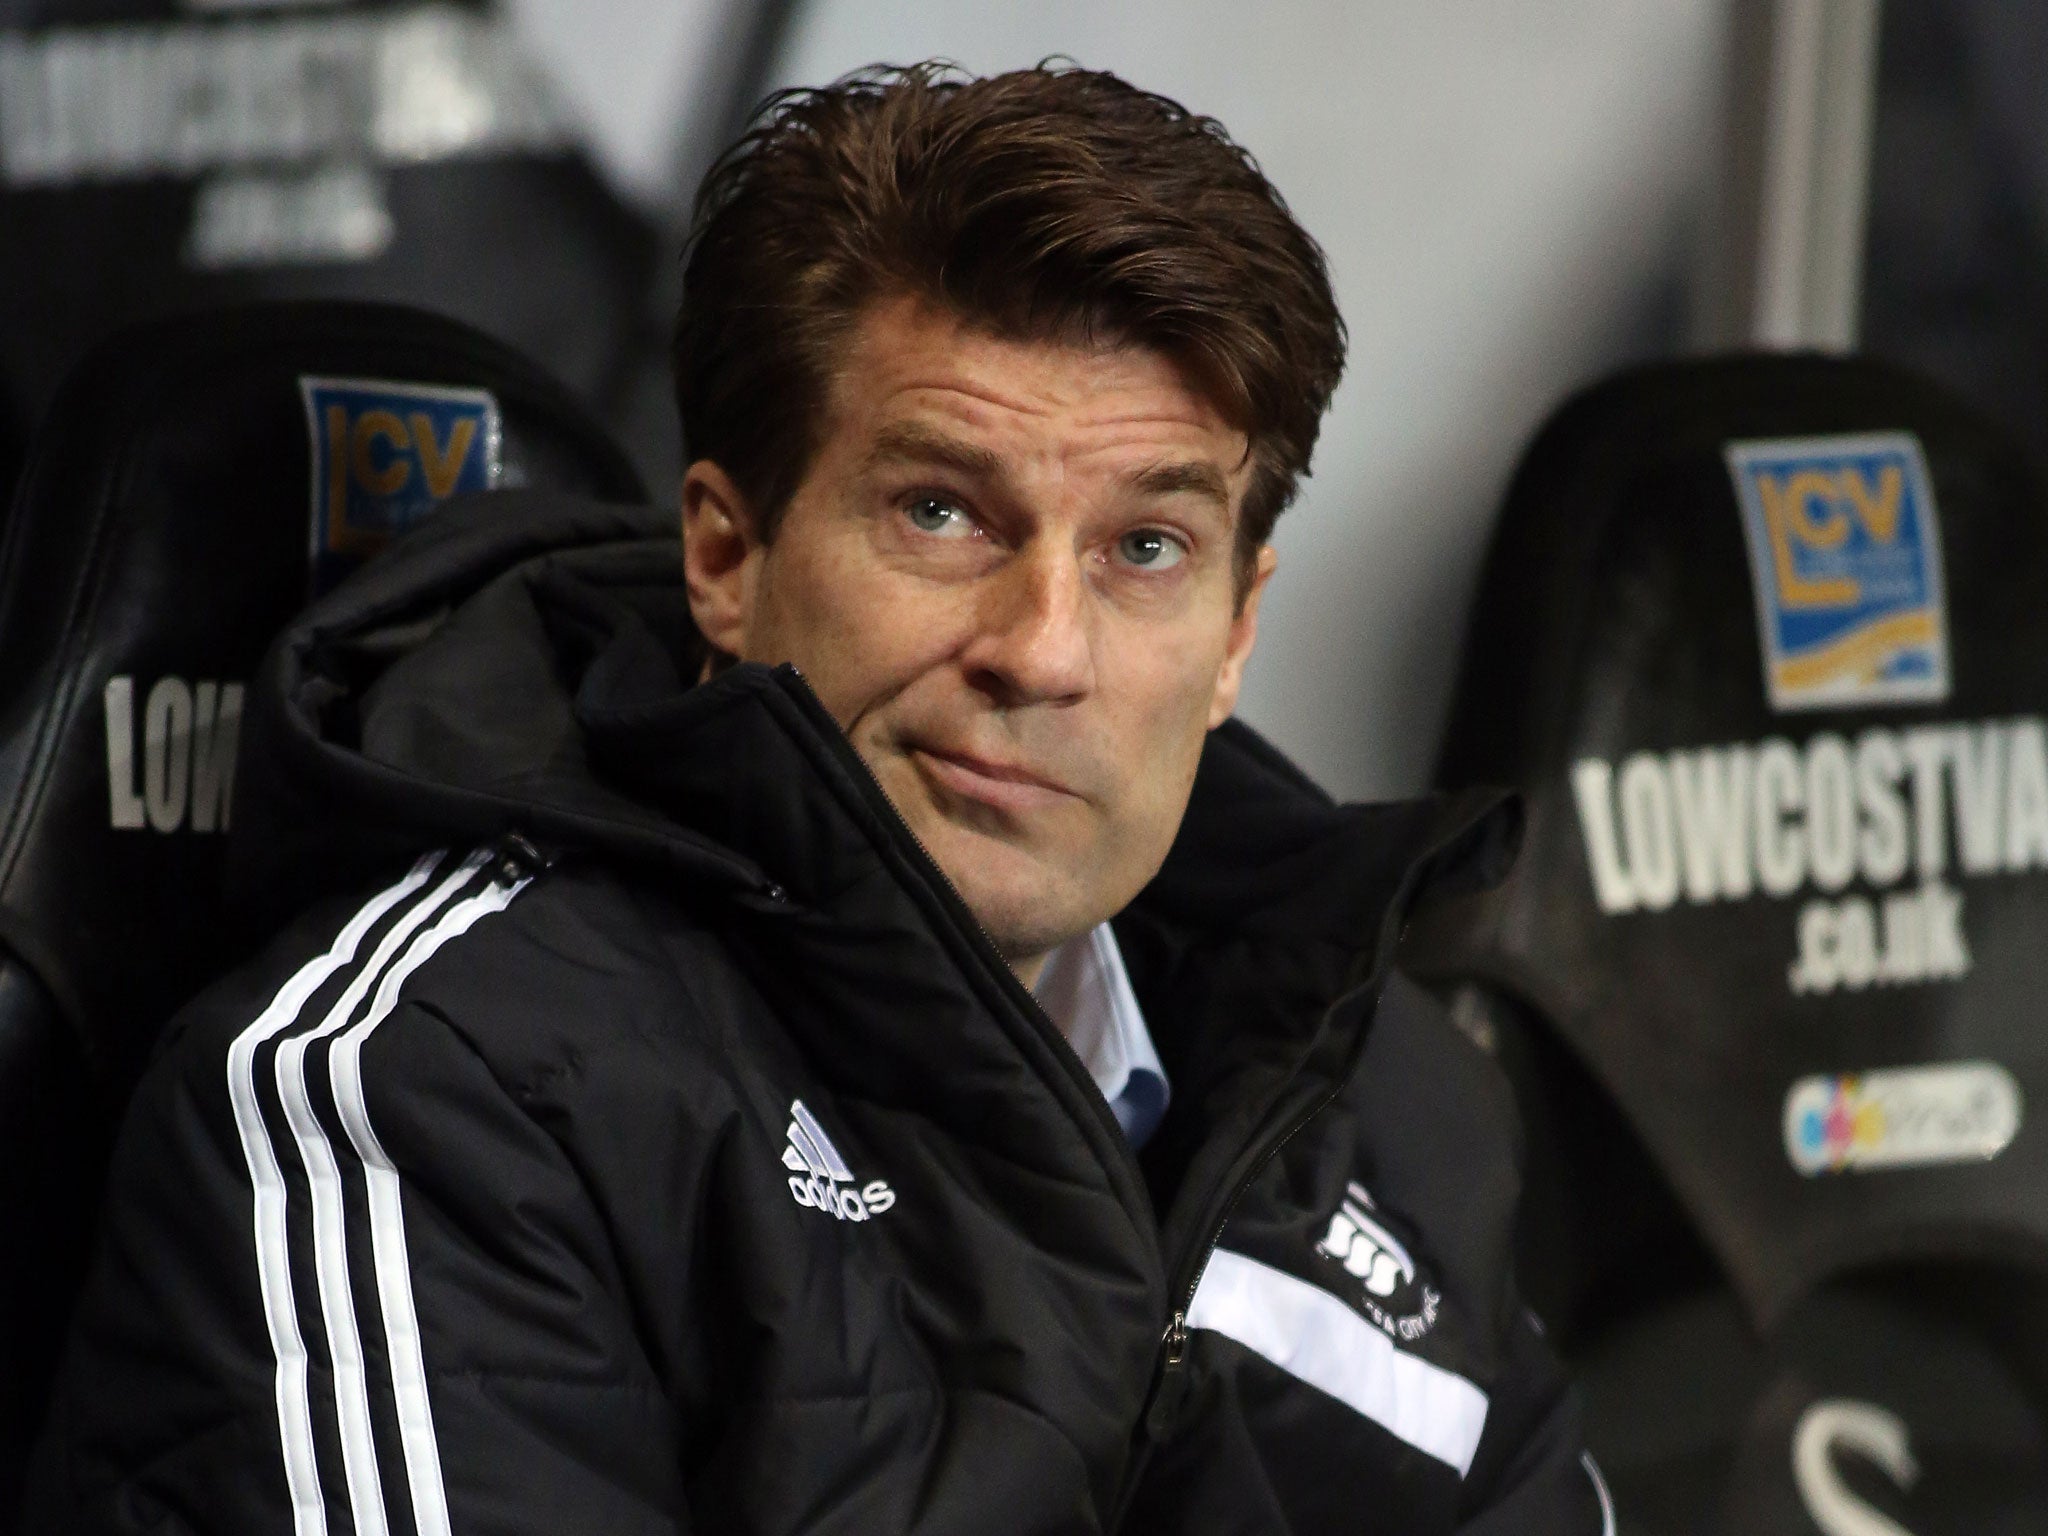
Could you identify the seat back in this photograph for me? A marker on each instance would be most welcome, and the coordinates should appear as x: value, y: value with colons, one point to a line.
x: 195, y: 481
x: 159, y: 156
x: 1766, y: 641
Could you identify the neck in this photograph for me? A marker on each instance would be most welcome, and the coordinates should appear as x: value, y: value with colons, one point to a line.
x: 1029, y: 968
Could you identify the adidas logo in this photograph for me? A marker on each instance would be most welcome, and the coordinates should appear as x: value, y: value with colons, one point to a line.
x: 1365, y: 1248
x: 819, y: 1177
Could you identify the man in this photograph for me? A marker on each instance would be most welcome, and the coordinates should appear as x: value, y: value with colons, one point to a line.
x: 696, y: 1153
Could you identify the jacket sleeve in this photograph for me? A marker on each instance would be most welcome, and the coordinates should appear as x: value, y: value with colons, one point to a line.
x: 1464, y: 1166
x: 347, y: 1282
x: 1532, y: 1475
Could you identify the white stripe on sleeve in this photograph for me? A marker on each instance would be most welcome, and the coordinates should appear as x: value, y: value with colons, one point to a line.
x: 1316, y: 1338
x: 387, y: 1224
x: 323, y: 1178
x: 294, y: 1414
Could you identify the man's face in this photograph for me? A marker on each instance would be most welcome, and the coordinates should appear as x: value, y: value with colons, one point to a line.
x: 1008, y: 575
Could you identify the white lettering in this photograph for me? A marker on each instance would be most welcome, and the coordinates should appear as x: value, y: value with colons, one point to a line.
x: 1830, y: 812
x: 1710, y: 791
x: 216, y: 733
x: 167, y: 752
x: 1772, y: 818
x: 124, y: 810
x: 246, y: 218
x: 2026, y: 798
x: 412, y: 83
x: 1941, y: 919
x: 1592, y: 787
x: 1815, y: 970
x: 1927, y: 751
x: 1780, y: 851
x: 1977, y: 759
x: 1646, y: 831
x: 1905, y: 937
x: 1855, y: 943
x: 190, y: 734
x: 820, y: 1192
x: 1843, y: 944
x: 1881, y: 849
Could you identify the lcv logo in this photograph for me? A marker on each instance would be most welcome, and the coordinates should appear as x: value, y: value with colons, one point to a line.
x: 171, y: 763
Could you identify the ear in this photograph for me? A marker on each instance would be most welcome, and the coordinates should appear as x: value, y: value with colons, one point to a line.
x: 720, y: 556
x: 1244, y: 630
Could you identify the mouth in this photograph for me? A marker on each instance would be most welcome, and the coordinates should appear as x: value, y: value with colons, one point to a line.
x: 1000, y: 785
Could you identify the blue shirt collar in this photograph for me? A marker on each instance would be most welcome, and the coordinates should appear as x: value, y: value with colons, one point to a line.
x: 1087, y: 993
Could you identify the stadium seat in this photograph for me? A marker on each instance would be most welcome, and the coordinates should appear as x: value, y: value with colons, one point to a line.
x: 1765, y: 642
x: 161, y: 156
x: 194, y: 482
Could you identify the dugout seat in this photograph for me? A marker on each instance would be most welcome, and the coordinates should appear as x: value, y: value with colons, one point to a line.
x: 1765, y: 642
x: 193, y: 484
x: 161, y: 156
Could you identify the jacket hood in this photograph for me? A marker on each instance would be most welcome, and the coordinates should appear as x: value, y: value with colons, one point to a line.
x: 524, y: 663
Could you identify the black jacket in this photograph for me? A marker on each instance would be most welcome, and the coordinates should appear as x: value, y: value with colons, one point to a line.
x: 684, y: 1158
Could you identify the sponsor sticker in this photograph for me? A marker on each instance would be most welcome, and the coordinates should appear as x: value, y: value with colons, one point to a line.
x: 1845, y: 560
x: 1904, y: 1117
x: 384, y: 455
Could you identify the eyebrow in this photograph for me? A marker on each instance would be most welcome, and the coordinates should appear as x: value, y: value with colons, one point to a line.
x: 908, y: 442
x: 911, y: 442
x: 1189, y: 476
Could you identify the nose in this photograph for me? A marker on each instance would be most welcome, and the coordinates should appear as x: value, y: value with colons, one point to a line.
x: 1032, y: 643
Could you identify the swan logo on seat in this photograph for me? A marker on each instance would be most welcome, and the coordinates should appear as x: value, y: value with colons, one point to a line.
x: 384, y: 455
x: 1903, y: 1117
x: 1360, y: 1242
x: 819, y: 1177
x: 1876, y: 1435
x: 1845, y: 560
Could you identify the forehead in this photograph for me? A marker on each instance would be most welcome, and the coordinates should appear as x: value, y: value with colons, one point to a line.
x: 910, y: 360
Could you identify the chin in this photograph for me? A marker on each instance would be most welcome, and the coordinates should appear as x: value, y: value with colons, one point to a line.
x: 1027, y: 909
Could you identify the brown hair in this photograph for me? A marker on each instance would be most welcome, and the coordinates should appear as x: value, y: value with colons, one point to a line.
x: 1053, y: 202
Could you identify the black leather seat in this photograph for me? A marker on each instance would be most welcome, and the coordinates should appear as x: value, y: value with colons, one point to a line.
x: 163, y: 156
x: 1765, y: 641
x: 195, y: 481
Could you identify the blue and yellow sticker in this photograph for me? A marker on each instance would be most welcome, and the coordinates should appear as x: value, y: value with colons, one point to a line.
x: 384, y: 455
x: 1845, y: 560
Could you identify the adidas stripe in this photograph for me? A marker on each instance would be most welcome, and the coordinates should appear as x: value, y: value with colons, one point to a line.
x: 422, y: 924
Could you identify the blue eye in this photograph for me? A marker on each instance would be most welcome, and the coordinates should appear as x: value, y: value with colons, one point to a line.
x: 1151, y: 550
x: 931, y: 515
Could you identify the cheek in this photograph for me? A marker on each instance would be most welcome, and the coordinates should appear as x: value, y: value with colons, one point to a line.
x: 859, y: 633
x: 1176, y: 676
x: 1172, y: 685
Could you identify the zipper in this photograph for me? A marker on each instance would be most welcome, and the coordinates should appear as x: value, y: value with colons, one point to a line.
x: 1174, y: 1340
x: 1020, y: 995
x: 1163, y: 1400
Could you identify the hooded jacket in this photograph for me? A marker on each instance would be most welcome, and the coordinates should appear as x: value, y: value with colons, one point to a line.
x: 652, y: 1141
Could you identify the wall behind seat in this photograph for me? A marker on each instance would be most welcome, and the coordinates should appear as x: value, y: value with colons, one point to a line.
x: 1508, y: 193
